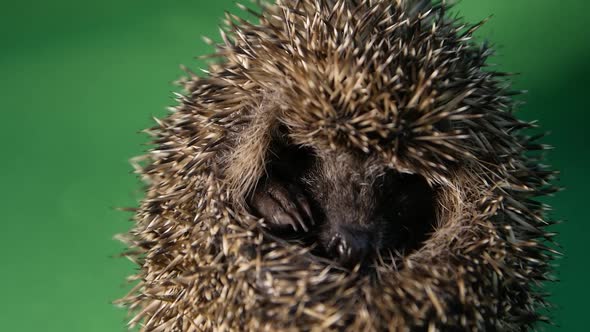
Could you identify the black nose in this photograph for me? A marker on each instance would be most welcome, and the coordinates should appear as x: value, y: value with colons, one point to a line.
x: 349, y: 245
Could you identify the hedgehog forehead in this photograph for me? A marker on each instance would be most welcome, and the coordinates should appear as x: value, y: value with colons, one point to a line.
x: 350, y: 163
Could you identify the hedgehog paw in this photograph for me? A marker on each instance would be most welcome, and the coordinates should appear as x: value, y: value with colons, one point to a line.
x: 282, y: 205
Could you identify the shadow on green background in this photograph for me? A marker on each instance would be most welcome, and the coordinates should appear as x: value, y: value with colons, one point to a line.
x: 78, y: 80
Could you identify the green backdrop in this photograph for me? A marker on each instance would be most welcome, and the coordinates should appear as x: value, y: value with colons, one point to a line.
x: 79, y: 79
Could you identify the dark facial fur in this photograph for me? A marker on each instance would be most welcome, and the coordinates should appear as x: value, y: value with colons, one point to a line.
x: 349, y: 204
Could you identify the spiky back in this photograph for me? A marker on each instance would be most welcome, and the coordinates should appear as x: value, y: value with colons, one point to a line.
x: 396, y: 79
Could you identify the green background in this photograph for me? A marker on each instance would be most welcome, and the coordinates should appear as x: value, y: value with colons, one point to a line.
x: 79, y: 79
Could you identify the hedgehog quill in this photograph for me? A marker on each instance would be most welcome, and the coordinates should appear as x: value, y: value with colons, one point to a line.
x: 346, y: 165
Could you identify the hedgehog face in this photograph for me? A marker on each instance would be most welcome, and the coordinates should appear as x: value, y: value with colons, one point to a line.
x: 368, y: 208
x: 351, y: 205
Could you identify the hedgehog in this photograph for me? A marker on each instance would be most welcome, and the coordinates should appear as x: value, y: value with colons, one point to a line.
x: 343, y: 165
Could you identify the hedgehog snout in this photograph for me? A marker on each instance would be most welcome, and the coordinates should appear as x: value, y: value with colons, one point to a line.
x: 350, y: 245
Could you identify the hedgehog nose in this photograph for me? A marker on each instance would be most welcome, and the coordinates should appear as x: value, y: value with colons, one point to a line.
x: 350, y: 245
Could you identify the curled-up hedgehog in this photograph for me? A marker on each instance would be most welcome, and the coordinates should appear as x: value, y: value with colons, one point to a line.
x: 346, y: 165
